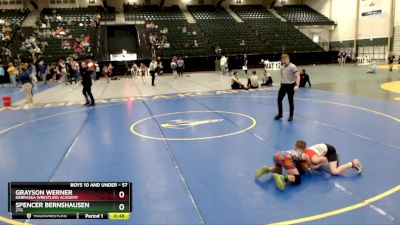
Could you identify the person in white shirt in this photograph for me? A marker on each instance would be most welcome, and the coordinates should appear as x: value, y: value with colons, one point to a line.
x: 174, y: 67
x: 373, y: 67
x: 223, y: 63
x: 253, y: 80
x: 135, y: 70
x: 319, y: 154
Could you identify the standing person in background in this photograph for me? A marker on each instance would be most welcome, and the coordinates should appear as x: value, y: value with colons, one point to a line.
x: 160, y: 67
x: 105, y: 73
x: 91, y: 68
x: 110, y: 70
x: 223, y: 63
x: 26, y: 86
x: 153, y: 69
x: 340, y: 58
x: 62, y: 68
x: 245, y: 61
x: 174, y: 67
x: 87, y: 85
x: 181, y: 66
x: 304, y: 79
x: 2, y: 74
x: 97, y: 70
x: 344, y: 57
x: 43, y: 72
x: 391, y: 58
x: 13, y: 73
x: 290, y: 81
x: 33, y: 73
x: 75, y: 73
x: 144, y: 72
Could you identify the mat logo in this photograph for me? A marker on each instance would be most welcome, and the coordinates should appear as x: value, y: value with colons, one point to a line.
x: 183, y: 124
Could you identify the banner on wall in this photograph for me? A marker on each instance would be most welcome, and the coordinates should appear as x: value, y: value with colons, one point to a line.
x: 371, y: 7
x: 272, y: 65
x: 123, y: 57
x: 364, y: 61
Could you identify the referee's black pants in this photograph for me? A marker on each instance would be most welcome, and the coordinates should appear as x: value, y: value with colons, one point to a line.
x: 289, y: 90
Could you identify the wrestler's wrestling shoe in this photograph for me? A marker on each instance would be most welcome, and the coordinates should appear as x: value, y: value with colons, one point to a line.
x: 357, y: 166
x: 279, y: 181
x: 263, y: 170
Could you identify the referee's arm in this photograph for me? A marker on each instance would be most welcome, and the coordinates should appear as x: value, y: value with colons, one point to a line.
x: 297, y: 74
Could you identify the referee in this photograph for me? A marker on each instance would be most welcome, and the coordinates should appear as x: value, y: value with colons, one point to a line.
x: 290, y: 81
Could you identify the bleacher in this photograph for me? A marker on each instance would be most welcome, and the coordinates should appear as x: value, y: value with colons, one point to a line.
x: 14, y: 19
x: 81, y: 14
x: 172, y: 18
x: 303, y: 15
x: 153, y: 13
x: 79, y: 23
x: 281, y: 36
x: 223, y: 31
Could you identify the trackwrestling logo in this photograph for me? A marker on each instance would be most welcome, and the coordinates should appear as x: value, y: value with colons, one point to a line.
x: 183, y: 124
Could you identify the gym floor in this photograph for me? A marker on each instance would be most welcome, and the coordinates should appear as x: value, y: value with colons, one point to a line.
x: 202, y: 171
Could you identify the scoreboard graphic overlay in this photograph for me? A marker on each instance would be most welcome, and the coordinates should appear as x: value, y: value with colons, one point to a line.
x: 70, y: 200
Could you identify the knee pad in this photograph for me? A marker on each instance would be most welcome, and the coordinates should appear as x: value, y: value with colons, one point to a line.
x: 297, y: 180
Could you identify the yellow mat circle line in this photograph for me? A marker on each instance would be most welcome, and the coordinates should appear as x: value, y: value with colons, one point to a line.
x: 393, y: 86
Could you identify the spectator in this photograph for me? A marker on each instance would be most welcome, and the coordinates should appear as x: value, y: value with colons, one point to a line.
x: 253, y: 80
x: 304, y: 79
x: 13, y: 73
x: 62, y: 68
x: 110, y: 70
x: 236, y: 83
x: 160, y: 67
x: 67, y: 45
x: 96, y: 64
x: 33, y: 73
x: 223, y: 64
x: 267, y: 79
x: 144, y: 72
x: 174, y: 67
x: 180, y: 66
x: 105, y: 73
x: 2, y: 74
x: 134, y: 71
x: 373, y: 67
x: 391, y: 58
x: 245, y: 61
x: 91, y: 68
x: 26, y: 86
x: 43, y: 72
